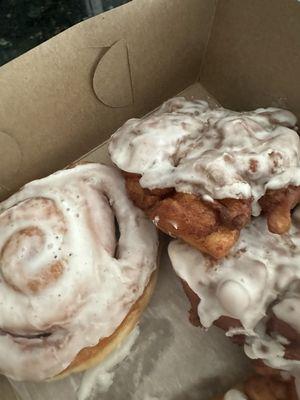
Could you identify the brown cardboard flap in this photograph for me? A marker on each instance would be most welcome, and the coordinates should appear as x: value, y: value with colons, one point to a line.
x: 253, y: 56
x: 194, y: 91
x: 11, y: 155
x: 197, y: 91
x: 4, y: 192
x: 47, y: 96
x: 113, y: 72
x: 6, y: 391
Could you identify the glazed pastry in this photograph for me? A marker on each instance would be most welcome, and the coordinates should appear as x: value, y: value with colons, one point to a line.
x: 253, y: 293
x: 200, y: 173
x: 70, y: 288
x: 262, y: 388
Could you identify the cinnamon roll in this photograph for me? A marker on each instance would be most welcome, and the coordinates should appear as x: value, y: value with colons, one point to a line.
x: 200, y: 172
x: 253, y: 293
x: 72, y: 285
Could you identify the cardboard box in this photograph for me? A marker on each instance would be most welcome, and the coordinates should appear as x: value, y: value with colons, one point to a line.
x: 65, y: 97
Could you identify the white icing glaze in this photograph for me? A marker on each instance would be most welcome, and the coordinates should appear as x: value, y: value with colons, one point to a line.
x: 156, y: 220
x: 65, y: 223
x: 234, y: 394
x: 288, y: 311
x: 100, y: 378
x: 272, y: 356
x: 289, y: 177
x: 260, y: 274
x: 215, y: 153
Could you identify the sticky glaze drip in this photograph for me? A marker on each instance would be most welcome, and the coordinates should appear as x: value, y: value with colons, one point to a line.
x: 61, y: 287
x: 260, y: 276
x: 100, y: 378
x: 216, y: 153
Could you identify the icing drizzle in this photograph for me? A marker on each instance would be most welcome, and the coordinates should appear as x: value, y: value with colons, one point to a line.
x: 215, y: 153
x: 65, y: 279
x: 260, y: 276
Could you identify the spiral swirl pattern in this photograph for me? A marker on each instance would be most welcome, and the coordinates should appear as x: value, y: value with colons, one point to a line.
x: 66, y: 281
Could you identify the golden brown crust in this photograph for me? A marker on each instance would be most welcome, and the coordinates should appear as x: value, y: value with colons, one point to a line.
x: 184, y: 213
x: 213, y: 228
x: 143, y: 198
x: 91, y: 356
x: 217, y: 244
x: 188, y: 218
x: 277, y: 205
x: 233, y: 213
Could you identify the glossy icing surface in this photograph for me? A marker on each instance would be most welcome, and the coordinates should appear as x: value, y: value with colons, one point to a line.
x: 260, y: 276
x: 212, y: 152
x: 66, y: 279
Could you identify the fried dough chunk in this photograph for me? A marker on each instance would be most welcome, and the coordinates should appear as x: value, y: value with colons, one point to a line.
x: 185, y: 213
x: 143, y: 198
x: 187, y: 217
x: 213, y: 228
x: 234, y: 213
x: 277, y: 205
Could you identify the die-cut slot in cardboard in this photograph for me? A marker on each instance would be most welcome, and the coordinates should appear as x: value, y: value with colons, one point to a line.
x: 69, y: 94
x: 117, y: 91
